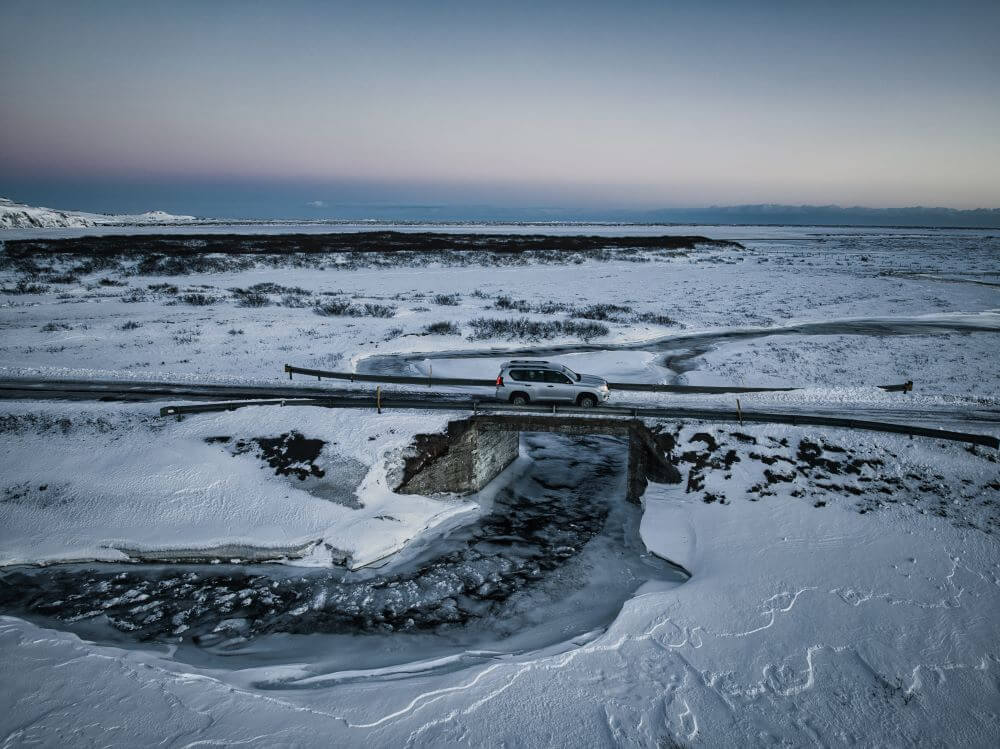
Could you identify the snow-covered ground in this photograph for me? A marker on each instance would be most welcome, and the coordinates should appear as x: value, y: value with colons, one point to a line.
x: 844, y: 586
x: 800, y: 625
x: 20, y: 216
x: 118, y: 482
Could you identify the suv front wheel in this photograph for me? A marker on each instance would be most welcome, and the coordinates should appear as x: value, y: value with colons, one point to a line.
x: 586, y: 401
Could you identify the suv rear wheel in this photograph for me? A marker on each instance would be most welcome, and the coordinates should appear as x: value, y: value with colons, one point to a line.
x: 519, y: 399
x: 586, y: 401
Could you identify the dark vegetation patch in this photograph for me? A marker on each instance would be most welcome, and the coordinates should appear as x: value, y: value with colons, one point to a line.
x: 163, y: 288
x: 269, y: 287
x: 523, y: 329
x: 24, y: 286
x: 290, y: 454
x: 250, y: 298
x: 655, y: 319
x: 62, y: 278
x: 259, y: 295
x: 447, y: 300
x: 343, y: 308
x: 174, y: 255
x: 443, y: 328
x: 507, y: 303
x: 551, y: 308
x: 198, y: 299
x: 614, y: 313
x: 296, y: 301
x: 606, y: 312
x: 179, y: 245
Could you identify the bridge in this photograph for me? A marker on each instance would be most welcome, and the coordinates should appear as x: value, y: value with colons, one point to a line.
x: 473, y: 451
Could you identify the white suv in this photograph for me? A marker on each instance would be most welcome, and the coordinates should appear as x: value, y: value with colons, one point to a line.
x: 524, y: 381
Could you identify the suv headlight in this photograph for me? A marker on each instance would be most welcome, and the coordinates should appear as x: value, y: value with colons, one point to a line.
x: 604, y: 386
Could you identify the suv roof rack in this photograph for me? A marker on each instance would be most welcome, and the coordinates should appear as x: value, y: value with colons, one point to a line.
x: 527, y: 361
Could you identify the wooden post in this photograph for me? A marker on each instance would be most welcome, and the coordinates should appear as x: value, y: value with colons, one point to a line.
x: 378, y: 398
x: 739, y: 411
x: 430, y: 375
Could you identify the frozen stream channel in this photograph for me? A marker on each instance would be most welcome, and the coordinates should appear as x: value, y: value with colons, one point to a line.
x: 679, y: 353
x: 553, y: 559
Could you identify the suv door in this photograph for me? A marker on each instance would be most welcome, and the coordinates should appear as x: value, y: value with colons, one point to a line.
x: 527, y: 381
x: 558, y: 387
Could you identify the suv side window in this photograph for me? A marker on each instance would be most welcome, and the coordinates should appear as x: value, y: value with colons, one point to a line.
x: 519, y: 374
x: 556, y: 377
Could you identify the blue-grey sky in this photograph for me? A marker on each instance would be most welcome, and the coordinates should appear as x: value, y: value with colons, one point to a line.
x: 631, y: 104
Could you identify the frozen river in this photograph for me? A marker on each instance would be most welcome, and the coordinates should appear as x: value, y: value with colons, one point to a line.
x: 552, y: 558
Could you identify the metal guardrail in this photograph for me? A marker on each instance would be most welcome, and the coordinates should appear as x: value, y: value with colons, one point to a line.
x: 698, y: 414
x: 319, y: 374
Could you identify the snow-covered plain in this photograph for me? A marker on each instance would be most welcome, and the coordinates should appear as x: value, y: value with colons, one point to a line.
x: 844, y: 586
x: 121, y: 483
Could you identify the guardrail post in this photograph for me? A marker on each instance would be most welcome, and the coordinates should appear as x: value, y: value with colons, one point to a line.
x: 739, y: 411
x: 378, y: 398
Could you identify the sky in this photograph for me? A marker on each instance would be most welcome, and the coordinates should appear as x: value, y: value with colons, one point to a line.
x: 638, y: 105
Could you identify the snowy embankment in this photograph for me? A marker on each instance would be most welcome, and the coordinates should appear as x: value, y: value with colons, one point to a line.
x: 110, y: 482
x: 19, y: 216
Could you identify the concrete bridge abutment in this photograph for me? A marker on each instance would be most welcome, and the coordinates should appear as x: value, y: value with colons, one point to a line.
x: 472, y: 452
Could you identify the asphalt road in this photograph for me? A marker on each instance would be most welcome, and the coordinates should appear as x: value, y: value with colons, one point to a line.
x: 30, y: 388
x: 118, y: 390
x: 957, y: 417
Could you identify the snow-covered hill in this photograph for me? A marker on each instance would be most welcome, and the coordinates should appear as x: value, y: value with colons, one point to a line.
x: 19, y: 216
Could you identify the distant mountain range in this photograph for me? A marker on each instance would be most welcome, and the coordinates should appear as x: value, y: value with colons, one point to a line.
x: 758, y: 214
x: 771, y: 213
x: 19, y: 216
